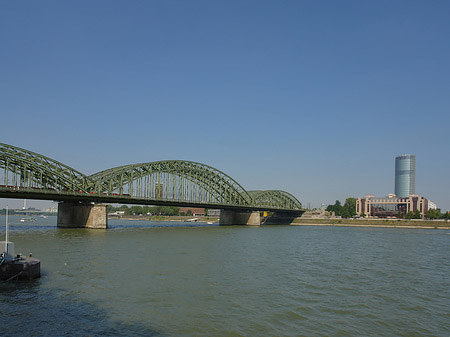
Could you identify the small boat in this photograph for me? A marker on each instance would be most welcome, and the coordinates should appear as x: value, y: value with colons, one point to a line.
x: 28, y: 219
x: 192, y: 220
x: 13, y: 267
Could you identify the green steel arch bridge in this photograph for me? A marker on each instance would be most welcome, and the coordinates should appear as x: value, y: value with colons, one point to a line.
x: 28, y: 175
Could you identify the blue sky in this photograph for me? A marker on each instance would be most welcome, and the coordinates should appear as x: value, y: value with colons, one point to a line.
x: 313, y: 97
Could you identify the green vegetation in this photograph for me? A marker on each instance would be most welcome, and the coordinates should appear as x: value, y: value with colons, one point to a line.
x: 413, y: 215
x: 346, y: 211
x: 431, y: 214
x: 436, y: 214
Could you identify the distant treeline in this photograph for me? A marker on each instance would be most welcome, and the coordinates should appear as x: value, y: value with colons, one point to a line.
x: 147, y: 210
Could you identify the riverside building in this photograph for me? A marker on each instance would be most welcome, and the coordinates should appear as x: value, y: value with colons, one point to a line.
x: 404, y: 200
x: 391, y: 205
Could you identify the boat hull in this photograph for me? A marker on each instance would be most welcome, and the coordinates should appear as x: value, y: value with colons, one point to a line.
x: 24, y: 268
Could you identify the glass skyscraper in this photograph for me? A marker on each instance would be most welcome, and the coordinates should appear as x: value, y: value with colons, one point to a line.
x: 405, y: 175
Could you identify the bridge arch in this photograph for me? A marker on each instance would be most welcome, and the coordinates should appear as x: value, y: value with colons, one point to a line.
x: 26, y: 169
x: 173, y: 180
x: 275, y: 199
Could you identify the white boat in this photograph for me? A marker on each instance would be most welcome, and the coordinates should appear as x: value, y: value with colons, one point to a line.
x: 28, y: 219
x: 192, y: 220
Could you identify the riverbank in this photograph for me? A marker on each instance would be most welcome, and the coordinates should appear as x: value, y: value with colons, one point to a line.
x: 393, y: 223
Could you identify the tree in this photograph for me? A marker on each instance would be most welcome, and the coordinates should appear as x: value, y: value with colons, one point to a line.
x: 136, y: 210
x: 346, y: 211
x: 146, y: 210
x: 350, y: 205
x: 125, y: 210
x: 166, y: 210
x: 417, y: 215
x: 413, y: 215
x: 433, y: 214
x: 336, y: 208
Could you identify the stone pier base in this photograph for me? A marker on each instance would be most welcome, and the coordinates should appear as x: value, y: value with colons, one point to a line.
x: 82, y: 215
x: 228, y: 217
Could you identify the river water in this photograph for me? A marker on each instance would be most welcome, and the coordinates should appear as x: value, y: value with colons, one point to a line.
x: 142, y: 278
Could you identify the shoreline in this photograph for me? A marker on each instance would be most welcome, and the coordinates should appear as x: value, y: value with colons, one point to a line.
x: 381, y: 223
x: 370, y: 225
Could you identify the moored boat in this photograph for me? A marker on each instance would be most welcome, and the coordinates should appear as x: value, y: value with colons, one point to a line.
x: 15, y: 266
x: 28, y: 219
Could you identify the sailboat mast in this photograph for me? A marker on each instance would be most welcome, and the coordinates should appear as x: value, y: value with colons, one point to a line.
x: 6, y: 230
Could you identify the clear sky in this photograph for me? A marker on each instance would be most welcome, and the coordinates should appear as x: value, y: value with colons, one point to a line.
x: 312, y: 97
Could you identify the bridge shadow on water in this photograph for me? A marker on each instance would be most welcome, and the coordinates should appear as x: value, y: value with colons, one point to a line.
x: 26, y: 309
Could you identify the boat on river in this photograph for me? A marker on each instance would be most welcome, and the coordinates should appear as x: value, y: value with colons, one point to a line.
x: 13, y: 267
x: 28, y: 219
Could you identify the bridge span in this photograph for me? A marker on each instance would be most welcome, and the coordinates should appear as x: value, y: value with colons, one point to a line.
x: 27, y: 175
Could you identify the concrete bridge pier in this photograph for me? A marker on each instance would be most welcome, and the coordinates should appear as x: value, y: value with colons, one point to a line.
x: 229, y: 217
x: 82, y: 215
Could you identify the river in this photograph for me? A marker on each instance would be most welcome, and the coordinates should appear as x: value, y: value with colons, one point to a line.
x: 141, y: 278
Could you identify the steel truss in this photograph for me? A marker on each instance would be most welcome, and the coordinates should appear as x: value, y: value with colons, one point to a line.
x: 171, y: 181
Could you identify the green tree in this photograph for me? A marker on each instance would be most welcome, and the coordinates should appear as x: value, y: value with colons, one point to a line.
x: 165, y: 210
x: 336, y: 208
x: 345, y: 213
x: 146, y: 210
x: 125, y: 209
x: 136, y: 210
x: 350, y: 205
x: 417, y: 215
x: 413, y: 215
x: 433, y: 214
x: 409, y: 215
x: 169, y: 210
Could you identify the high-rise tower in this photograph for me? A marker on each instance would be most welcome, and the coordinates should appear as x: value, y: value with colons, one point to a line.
x: 405, y: 175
